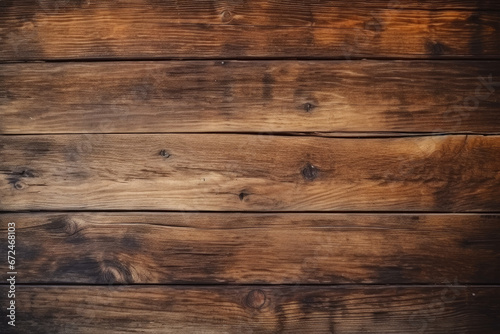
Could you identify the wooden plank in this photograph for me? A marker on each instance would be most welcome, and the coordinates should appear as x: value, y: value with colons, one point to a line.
x: 42, y: 30
x: 255, y: 309
x: 242, y: 96
x: 186, y: 10
x: 247, y: 172
x: 159, y: 248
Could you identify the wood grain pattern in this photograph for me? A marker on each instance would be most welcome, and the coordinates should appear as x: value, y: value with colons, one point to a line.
x: 165, y: 248
x: 138, y: 29
x: 255, y: 96
x: 255, y: 309
x: 222, y: 166
x: 246, y: 172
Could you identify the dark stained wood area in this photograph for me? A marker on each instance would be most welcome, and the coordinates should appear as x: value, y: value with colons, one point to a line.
x: 234, y: 166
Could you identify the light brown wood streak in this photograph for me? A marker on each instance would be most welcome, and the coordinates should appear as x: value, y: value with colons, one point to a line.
x: 254, y: 309
x: 31, y: 30
x: 246, y: 172
x: 202, y: 248
x: 250, y: 96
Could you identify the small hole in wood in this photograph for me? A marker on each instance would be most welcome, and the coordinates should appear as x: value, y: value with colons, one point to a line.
x: 242, y: 195
x: 164, y: 154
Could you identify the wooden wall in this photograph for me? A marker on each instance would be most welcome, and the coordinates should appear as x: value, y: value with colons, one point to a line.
x: 232, y: 166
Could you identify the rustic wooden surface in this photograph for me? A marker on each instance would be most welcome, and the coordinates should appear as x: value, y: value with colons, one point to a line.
x: 216, y: 248
x: 138, y: 29
x: 229, y: 166
x: 255, y: 96
x: 258, y: 309
x: 229, y: 172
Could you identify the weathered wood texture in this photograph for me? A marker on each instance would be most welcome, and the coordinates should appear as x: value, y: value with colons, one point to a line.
x: 31, y: 30
x: 254, y: 309
x: 231, y: 172
x: 242, y: 96
x: 255, y: 248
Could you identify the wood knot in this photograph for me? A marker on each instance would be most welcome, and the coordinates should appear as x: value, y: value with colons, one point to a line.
x: 113, y: 272
x: 15, y: 178
x: 436, y: 48
x: 310, y: 172
x: 242, y: 195
x: 26, y: 173
x: 256, y: 299
x: 164, y: 154
x: 374, y: 25
x: 19, y: 185
x: 226, y: 16
x: 72, y: 227
x: 308, y: 107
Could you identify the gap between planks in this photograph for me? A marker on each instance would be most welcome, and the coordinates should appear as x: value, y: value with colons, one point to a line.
x: 337, y: 135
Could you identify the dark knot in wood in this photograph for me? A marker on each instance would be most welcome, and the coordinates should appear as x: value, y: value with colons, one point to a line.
x: 308, y: 107
x: 242, y: 195
x: 256, y: 299
x: 309, y: 172
x: 164, y: 154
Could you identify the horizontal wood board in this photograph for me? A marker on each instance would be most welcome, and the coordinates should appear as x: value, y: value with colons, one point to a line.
x: 256, y: 309
x: 250, y: 96
x: 139, y: 29
x: 228, y: 172
x: 216, y: 248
